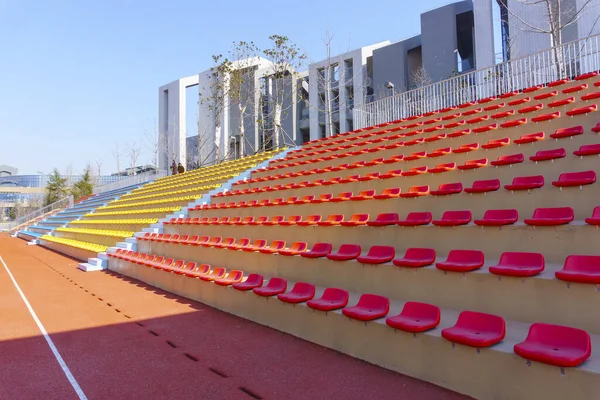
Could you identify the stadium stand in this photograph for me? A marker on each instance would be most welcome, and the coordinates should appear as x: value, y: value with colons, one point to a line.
x: 92, y: 232
x: 487, y: 285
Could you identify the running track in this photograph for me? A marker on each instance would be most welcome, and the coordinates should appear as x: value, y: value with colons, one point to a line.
x: 123, y: 339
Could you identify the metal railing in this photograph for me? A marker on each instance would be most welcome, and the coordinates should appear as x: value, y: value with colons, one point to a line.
x: 564, y: 61
x: 132, y: 180
x: 22, y: 222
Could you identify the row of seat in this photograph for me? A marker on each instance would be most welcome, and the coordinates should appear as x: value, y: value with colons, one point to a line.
x: 584, y: 150
x: 551, y: 344
x: 98, y: 232
x: 344, y: 138
x: 577, y: 268
x: 93, y: 247
x: 565, y: 179
x: 548, y: 216
x: 133, y: 221
x: 146, y: 211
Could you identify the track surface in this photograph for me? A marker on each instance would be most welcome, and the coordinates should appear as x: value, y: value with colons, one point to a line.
x: 124, y: 339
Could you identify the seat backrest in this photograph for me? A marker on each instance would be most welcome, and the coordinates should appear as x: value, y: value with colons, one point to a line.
x: 583, y: 263
x: 349, y: 249
x: 325, y: 196
x: 322, y: 247
x: 421, y: 310
x: 529, y: 180
x: 418, y: 189
x: 382, y: 251
x: 575, y: 176
x: 387, y: 217
x: 303, y: 288
x: 450, y: 186
x: 299, y: 246
x: 374, y: 302
x: 255, y: 279
x: 457, y: 214
x: 277, y: 244
x: 522, y: 259
x: 560, y: 336
x: 278, y: 218
x: 481, y: 321
x: 314, y: 218
x: 335, y: 217
x: 344, y: 195
x: 596, y: 212
x: 465, y: 256
x: 555, y: 212
x: 491, y: 183
x: 419, y: 216
x: 277, y: 283
x: 420, y: 253
x: 501, y: 214
x: 367, y: 193
x: 359, y: 217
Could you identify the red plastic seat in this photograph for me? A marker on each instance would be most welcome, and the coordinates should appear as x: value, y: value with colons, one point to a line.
x: 333, y: 219
x: 356, y: 220
x: 243, y: 242
x: 332, y: 299
x: 274, y: 287
x: 416, y: 191
x: 391, y: 174
x: 473, y: 164
x: 216, y: 273
x: 295, y: 249
x: 557, y: 345
x: 415, y: 156
x: 416, y: 258
x: 567, y: 132
x: 416, y: 219
x: 346, y: 252
x: 484, y: 186
x: 446, y: 189
x: 348, y: 179
x: 530, y: 138
x: 369, y: 177
x: 582, y: 110
x: 580, y: 269
x: 567, y: 179
x: 225, y: 243
x: 305, y: 199
x: 415, y: 171
x: 368, y: 308
x: 245, y: 220
x: 318, y: 250
x: 274, y: 247
x: 465, y: 148
x: 498, y: 218
x: 519, y: 264
x: 416, y: 317
x: 390, y: 193
x: 197, y: 272
x: 275, y: 221
x: 454, y: 218
x: 384, y: 220
x: 363, y: 195
x: 443, y: 168
x: 476, y: 329
x: 213, y: 241
x: 310, y: 220
x: 544, y: 155
x: 532, y: 108
x: 300, y: 293
x: 292, y: 220
x: 259, y: 221
x: 344, y: 196
x: 551, y: 216
x: 595, y: 218
x: 233, y: 276
x: 493, y: 144
x: 253, y: 281
x: 508, y: 160
x: 588, y: 150
x: 378, y: 255
x: 462, y: 261
x: 324, y: 198
x: 526, y: 183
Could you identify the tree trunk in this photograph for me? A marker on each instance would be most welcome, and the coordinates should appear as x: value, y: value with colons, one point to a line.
x: 277, y: 124
x: 242, y: 130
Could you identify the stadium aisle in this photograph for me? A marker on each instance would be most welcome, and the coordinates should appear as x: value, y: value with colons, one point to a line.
x: 124, y: 339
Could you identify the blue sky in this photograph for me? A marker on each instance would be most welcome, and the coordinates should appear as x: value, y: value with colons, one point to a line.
x: 79, y: 76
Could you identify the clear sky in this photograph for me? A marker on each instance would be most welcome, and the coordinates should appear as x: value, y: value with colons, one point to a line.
x: 77, y: 76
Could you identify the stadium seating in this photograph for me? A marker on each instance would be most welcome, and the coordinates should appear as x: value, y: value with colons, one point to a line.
x: 421, y: 243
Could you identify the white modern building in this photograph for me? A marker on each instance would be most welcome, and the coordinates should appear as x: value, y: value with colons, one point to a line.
x: 337, y: 84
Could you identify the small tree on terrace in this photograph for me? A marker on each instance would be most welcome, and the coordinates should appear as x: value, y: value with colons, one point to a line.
x: 56, y: 188
x: 84, y: 186
x: 285, y: 58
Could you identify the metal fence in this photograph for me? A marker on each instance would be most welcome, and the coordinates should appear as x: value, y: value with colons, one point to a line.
x: 132, y: 180
x: 564, y: 61
x: 22, y: 222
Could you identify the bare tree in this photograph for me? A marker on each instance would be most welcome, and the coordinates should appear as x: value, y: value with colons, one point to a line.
x: 99, y: 163
x: 153, y: 143
x: 419, y: 78
x: 134, y: 150
x: 285, y: 59
x: 555, y: 17
x: 117, y: 154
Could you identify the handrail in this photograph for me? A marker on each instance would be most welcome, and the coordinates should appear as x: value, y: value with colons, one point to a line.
x: 565, y: 61
x: 24, y: 221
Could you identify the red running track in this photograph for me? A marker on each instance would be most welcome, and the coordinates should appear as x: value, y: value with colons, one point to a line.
x: 123, y: 339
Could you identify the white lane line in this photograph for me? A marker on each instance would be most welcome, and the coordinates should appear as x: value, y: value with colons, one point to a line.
x: 57, y: 355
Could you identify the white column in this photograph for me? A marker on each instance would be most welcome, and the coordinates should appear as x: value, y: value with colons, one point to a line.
x: 484, y: 34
